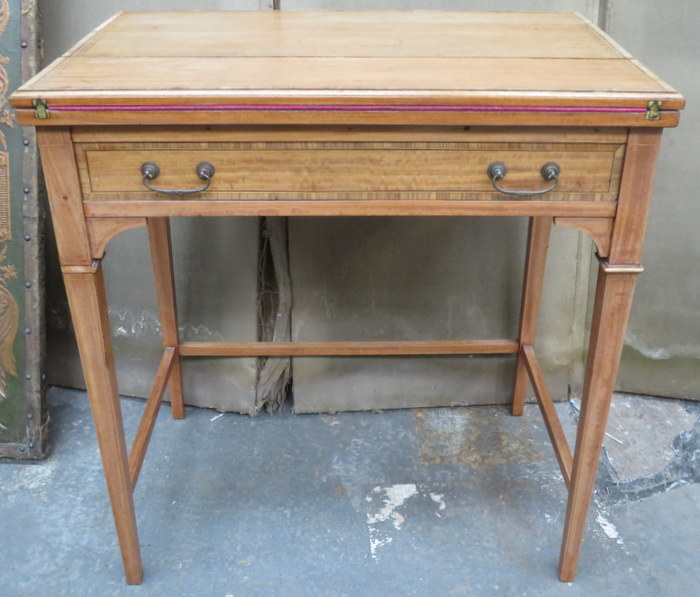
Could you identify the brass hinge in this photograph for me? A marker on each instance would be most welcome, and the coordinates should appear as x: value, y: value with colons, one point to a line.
x: 654, y: 110
x: 41, y: 109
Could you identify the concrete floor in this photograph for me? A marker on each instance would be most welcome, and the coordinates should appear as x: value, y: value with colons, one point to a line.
x: 463, y: 501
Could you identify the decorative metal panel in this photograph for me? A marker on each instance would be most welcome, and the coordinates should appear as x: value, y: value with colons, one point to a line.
x: 22, y: 405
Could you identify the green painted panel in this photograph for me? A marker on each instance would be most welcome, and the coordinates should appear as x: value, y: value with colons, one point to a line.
x: 21, y: 334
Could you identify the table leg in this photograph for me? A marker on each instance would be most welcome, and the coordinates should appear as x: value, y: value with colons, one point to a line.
x: 613, y: 300
x: 163, y: 273
x: 86, y: 295
x: 535, y: 260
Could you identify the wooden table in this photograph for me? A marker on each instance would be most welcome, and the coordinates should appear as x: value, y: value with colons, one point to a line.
x: 329, y: 113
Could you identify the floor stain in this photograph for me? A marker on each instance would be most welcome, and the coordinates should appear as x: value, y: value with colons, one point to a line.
x: 476, y: 437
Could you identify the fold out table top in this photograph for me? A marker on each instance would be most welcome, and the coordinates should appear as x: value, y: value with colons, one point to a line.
x: 348, y: 67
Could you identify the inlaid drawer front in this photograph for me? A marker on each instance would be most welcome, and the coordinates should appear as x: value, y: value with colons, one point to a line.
x: 348, y: 170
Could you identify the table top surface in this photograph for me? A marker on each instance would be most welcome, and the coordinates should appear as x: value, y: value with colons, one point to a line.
x: 393, y: 58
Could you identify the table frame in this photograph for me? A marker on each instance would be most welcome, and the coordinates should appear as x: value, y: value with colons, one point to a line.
x: 83, y: 230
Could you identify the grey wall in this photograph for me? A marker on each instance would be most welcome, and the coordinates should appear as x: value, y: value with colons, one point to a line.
x: 585, y: 7
x: 662, y: 353
x: 422, y: 279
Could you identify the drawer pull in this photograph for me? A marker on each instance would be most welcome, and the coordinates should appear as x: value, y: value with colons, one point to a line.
x: 550, y: 172
x: 151, y: 171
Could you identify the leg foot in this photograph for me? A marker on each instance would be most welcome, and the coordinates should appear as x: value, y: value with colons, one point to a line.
x: 88, y: 305
x: 610, y: 313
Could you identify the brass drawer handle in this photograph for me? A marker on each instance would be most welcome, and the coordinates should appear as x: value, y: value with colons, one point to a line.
x: 550, y: 171
x: 151, y: 171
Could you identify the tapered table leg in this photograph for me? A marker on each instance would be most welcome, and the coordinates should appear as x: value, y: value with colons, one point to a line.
x: 86, y: 295
x: 613, y: 300
x: 163, y: 273
x: 535, y: 261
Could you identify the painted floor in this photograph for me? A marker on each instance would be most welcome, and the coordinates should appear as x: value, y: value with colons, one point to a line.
x: 462, y: 501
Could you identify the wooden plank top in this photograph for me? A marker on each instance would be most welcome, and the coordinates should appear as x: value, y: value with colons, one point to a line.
x: 290, y: 61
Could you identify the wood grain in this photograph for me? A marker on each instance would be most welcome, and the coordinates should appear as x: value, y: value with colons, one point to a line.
x: 549, y: 413
x: 102, y: 230
x: 148, y: 419
x: 164, y: 277
x: 116, y: 135
x: 111, y: 76
x: 358, y: 348
x: 611, y: 309
x: 539, y: 232
x: 88, y: 304
x: 357, y: 207
x: 668, y: 118
x: 635, y: 197
x: 65, y: 196
x: 335, y: 170
x: 598, y: 229
x: 381, y: 33
x: 381, y: 57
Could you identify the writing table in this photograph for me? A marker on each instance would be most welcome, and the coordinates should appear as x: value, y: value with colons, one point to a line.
x: 157, y: 115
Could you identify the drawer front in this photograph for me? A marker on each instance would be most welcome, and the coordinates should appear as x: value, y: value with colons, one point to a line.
x: 318, y: 170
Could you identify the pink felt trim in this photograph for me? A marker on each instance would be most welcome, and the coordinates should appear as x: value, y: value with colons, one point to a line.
x: 338, y: 108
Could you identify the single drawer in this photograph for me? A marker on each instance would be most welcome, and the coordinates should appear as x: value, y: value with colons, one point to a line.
x: 354, y: 170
